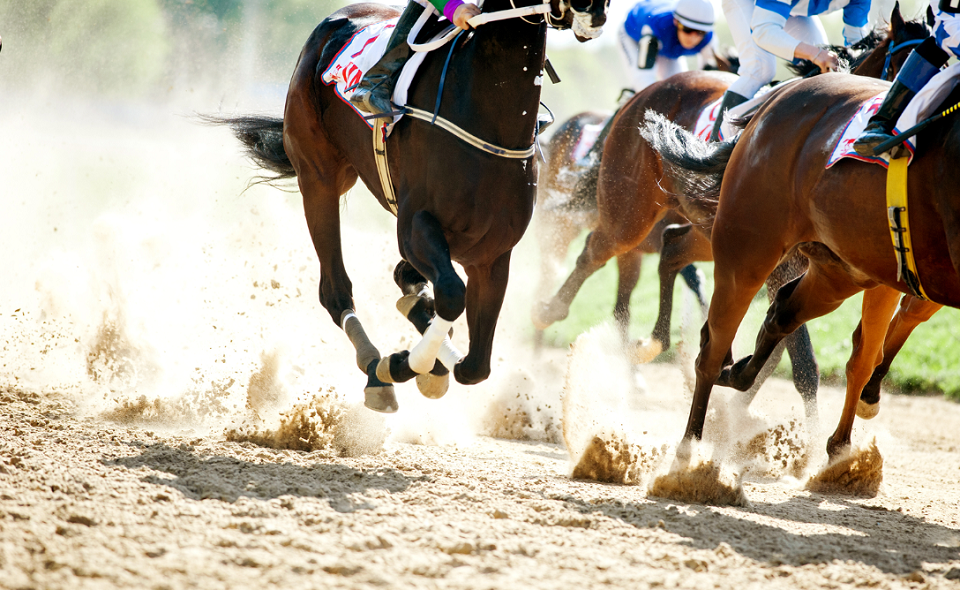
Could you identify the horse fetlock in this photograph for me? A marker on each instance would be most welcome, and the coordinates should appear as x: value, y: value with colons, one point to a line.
x: 546, y: 314
x: 736, y: 375
x: 837, y: 445
x: 395, y: 368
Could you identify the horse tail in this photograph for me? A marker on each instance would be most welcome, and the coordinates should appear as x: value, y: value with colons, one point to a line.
x: 263, y: 139
x: 695, y: 166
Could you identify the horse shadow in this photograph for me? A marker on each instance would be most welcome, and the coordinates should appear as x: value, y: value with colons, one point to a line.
x: 889, y: 540
x: 228, y: 479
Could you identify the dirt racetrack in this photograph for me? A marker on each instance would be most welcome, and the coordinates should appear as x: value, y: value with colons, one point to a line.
x: 177, y: 411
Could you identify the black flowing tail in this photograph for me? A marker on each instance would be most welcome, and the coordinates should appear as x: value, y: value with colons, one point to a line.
x: 695, y: 166
x: 263, y: 139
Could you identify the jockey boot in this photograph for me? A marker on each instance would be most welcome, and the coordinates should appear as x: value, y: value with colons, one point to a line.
x: 922, y: 64
x: 375, y: 90
x: 730, y: 100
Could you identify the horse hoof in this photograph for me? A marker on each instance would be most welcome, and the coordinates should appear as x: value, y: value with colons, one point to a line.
x: 545, y: 315
x: 433, y: 386
x: 645, y: 350
x: 381, y: 398
x: 867, y: 411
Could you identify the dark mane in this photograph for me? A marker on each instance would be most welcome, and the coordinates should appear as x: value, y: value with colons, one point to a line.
x: 850, y: 57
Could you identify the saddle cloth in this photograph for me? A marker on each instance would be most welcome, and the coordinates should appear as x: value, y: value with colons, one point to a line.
x: 923, y: 105
x: 708, y: 115
x: 588, y: 137
x: 361, y: 53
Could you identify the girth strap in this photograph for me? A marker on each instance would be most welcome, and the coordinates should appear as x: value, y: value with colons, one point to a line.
x: 900, y: 226
x: 469, y: 137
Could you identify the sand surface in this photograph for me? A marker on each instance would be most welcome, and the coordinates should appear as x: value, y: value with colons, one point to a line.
x: 177, y: 411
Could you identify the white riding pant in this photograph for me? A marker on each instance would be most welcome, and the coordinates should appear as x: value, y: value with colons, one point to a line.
x: 663, y: 67
x: 758, y: 66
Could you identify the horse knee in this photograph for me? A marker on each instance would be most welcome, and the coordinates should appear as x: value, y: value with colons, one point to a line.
x: 449, y: 294
x: 334, y: 301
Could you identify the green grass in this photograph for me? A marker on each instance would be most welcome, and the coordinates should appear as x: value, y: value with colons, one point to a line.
x: 928, y: 363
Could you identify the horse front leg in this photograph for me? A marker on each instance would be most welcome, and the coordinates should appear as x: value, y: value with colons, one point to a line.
x: 911, y: 314
x: 428, y: 254
x: 879, y: 304
x: 486, y: 286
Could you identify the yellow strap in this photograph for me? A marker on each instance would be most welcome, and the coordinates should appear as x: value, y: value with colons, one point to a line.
x: 897, y: 197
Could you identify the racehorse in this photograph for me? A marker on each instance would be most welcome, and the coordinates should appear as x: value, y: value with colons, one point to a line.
x: 563, y: 212
x: 567, y: 205
x: 836, y: 217
x: 454, y: 200
x: 632, y: 195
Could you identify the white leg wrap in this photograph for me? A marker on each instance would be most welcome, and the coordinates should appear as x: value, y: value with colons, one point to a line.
x: 449, y: 355
x: 425, y: 352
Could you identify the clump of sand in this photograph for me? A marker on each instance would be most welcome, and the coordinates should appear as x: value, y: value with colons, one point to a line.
x: 699, y: 482
x: 194, y: 407
x: 600, y: 445
x: 858, y: 472
x: 776, y: 451
x: 610, y: 458
x: 309, y: 426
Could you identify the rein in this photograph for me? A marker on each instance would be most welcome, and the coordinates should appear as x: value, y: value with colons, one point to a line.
x: 895, y: 48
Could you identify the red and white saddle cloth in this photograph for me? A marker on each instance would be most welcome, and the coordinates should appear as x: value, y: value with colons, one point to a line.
x: 727, y: 131
x: 361, y: 53
x: 923, y: 105
x: 588, y: 137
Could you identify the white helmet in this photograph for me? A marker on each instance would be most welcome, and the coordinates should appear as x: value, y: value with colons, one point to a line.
x: 695, y: 14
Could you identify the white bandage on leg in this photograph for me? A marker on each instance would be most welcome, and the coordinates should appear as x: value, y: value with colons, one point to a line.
x: 449, y: 356
x: 425, y: 352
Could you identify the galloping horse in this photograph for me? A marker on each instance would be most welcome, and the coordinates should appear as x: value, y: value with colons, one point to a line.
x: 837, y: 217
x: 567, y: 205
x: 563, y: 212
x: 633, y: 195
x: 454, y: 200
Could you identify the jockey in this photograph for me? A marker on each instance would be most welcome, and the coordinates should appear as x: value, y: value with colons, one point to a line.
x: 922, y: 64
x: 659, y: 32
x: 373, y: 93
x: 788, y: 29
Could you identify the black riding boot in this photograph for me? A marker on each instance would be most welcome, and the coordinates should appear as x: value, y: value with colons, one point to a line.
x: 730, y: 100
x: 921, y: 65
x: 375, y: 90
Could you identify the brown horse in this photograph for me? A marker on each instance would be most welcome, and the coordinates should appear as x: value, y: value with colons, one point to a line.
x: 837, y: 217
x: 454, y: 201
x: 563, y: 212
x: 567, y: 205
x: 632, y: 195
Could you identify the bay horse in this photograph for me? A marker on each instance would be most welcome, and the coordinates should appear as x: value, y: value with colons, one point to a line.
x: 567, y: 205
x: 633, y: 194
x: 454, y: 201
x: 836, y: 217
x: 563, y: 212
